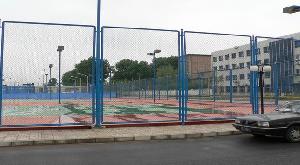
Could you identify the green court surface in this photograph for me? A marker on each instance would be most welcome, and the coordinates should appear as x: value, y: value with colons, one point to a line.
x: 75, y: 109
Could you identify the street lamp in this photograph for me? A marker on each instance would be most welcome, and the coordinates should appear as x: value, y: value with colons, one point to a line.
x: 59, y: 49
x: 50, y: 72
x: 291, y: 9
x: 87, y: 81
x: 154, y: 72
x: 261, y: 69
x: 79, y: 81
x: 46, y: 74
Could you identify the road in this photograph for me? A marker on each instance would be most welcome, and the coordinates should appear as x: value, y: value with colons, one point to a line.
x: 233, y: 150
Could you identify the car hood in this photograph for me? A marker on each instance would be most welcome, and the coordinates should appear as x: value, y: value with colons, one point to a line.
x: 270, y: 116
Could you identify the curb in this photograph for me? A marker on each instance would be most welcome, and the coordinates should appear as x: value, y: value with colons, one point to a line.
x: 120, y: 139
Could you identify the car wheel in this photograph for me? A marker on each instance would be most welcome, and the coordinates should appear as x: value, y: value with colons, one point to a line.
x: 293, y: 134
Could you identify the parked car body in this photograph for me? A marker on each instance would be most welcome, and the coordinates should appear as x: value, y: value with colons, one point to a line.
x: 285, y: 122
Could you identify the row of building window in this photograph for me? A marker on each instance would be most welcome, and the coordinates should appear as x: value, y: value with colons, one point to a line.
x: 240, y: 54
x: 241, y: 89
x: 241, y: 77
x: 239, y: 66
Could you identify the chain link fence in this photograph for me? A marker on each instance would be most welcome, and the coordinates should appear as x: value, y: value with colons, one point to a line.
x: 31, y: 67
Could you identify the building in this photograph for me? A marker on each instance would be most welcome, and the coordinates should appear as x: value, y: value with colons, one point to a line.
x: 198, y: 63
x: 282, y: 53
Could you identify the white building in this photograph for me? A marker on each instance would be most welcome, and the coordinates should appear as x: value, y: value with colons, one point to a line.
x: 284, y: 51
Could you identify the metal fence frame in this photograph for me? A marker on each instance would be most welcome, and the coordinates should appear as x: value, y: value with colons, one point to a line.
x: 1, y: 69
x: 179, y: 81
x: 253, y: 92
x: 182, y: 78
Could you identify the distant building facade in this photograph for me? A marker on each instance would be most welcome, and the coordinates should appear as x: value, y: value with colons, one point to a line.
x: 281, y: 53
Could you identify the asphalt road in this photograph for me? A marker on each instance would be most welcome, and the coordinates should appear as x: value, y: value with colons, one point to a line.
x: 233, y: 150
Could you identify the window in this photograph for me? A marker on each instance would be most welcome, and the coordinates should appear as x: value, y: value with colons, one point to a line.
x: 242, y: 65
x: 215, y: 59
x: 248, y: 64
x: 227, y: 57
x: 249, y: 76
x: 242, y: 76
x: 228, y: 89
x: 267, y: 61
x: 298, y: 71
x: 234, y: 77
x: 235, y: 89
x: 241, y: 54
x: 221, y: 67
x: 227, y: 67
x: 234, y: 66
x: 266, y: 49
x: 242, y: 89
x: 297, y: 44
x: 215, y: 68
x: 248, y: 53
x: 222, y: 89
x: 267, y: 75
x: 220, y: 58
x: 233, y: 55
x: 258, y: 51
x: 259, y: 61
x: 268, y: 88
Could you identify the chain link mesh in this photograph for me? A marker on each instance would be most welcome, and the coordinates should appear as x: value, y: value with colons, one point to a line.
x: 31, y: 68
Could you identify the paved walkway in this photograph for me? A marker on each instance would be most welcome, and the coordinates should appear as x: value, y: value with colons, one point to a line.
x: 107, y: 135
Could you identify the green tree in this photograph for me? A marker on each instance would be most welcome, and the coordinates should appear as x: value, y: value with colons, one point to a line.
x: 52, y: 82
x: 167, y: 70
x: 126, y: 70
x: 81, y: 70
x: 167, y: 61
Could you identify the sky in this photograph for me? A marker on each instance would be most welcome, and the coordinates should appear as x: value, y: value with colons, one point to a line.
x: 249, y: 17
x: 257, y: 17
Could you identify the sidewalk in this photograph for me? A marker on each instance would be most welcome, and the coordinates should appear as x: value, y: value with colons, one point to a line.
x: 109, y: 135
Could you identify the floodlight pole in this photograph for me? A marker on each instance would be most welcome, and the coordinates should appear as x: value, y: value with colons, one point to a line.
x: 261, y: 69
x: 154, y: 73
x: 59, y: 49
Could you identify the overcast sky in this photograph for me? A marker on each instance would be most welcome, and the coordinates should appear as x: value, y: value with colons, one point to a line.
x: 259, y: 17
x: 252, y: 17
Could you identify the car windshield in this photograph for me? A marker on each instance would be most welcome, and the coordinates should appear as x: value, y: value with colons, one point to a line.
x: 291, y: 107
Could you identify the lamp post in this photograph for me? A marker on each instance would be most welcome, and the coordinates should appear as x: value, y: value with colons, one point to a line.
x: 79, y: 81
x: 87, y: 81
x: 291, y: 9
x: 261, y: 69
x: 59, y: 49
x: 154, y: 72
x: 50, y: 79
x: 50, y: 72
x: 46, y: 74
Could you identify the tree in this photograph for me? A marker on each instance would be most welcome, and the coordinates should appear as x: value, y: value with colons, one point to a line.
x: 81, y: 70
x: 167, y: 61
x: 52, y: 82
x: 167, y: 70
x: 126, y: 70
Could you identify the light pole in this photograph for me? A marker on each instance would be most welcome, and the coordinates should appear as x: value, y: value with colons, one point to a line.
x: 291, y: 9
x: 46, y: 74
x: 50, y: 79
x: 87, y: 81
x: 79, y: 81
x: 154, y: 72
x: 261, y: 69
x: 59, y: 49
x: 50, y: 72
